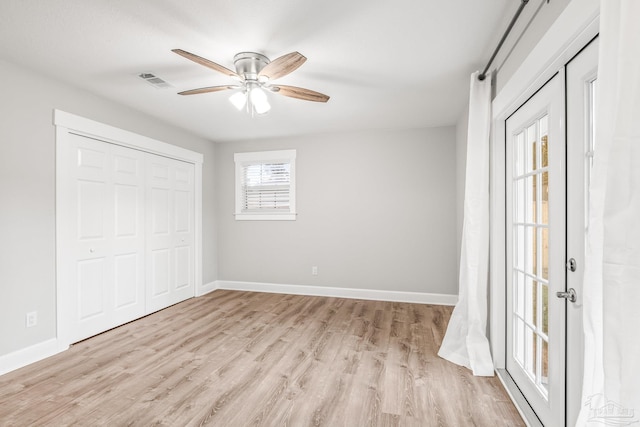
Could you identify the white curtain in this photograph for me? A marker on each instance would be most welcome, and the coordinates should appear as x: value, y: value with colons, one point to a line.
x: 611, y: 389
x: 465, y: 342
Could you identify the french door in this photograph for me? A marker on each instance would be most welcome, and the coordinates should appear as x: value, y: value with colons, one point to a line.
x: 548, y: 169
x: 535, y: 231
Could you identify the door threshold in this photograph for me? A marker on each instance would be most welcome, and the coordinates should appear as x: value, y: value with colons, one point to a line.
x: 521, y: 404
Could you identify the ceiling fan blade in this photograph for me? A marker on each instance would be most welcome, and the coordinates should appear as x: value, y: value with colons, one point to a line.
x: 282, y: 66
x: 203, y: 61
x: 301, y: 93
x: 207, y: 90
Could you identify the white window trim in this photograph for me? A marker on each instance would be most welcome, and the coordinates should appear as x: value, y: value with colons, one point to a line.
x: 266, y: 156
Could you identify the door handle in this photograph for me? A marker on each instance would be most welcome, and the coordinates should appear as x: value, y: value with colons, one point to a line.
x: 569, y: 295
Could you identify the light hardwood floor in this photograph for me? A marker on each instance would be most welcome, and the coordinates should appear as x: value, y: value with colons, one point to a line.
x: 247, y: 359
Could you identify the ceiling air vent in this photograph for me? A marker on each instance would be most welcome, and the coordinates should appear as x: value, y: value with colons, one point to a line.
x: 154, y: 81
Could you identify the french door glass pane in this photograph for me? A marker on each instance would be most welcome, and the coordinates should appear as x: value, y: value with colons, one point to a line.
x: 544, y: 196
x: 545, y: 253
x: 545, y: 366
x: 520, y: 284
x: 530, y: 344
x: 530, y: 188
x: 531, y: 147
x: 521, y: 199
x: 528, y: 300
x: 544, y: 147
x: 518, y: 246
x: 519, y: 155
x: 518, y: 340
x: 529, y: 248
x: 545, y: 310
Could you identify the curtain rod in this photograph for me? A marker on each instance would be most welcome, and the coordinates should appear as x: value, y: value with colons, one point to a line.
x: 523, y: 3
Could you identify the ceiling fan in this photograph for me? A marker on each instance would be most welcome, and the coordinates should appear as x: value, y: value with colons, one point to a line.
x: 255, y: 72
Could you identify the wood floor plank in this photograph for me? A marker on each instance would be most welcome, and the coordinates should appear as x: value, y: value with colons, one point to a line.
x: 248, y: 359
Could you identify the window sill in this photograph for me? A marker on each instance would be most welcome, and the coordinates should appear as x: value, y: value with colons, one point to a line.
x: 266, y: 217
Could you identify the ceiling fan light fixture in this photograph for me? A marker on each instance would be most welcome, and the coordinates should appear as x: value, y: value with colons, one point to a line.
x: 239, y: 100
x: 259, y: 100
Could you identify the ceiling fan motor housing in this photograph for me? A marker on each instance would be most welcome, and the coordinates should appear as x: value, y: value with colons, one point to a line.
x: 249, y: 64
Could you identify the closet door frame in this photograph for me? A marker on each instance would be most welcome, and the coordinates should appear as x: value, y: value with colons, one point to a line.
x: 67, y: 124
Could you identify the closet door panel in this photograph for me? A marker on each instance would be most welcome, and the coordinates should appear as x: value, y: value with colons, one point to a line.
x: 169, y: 232
x: 93, y: 219
x: 127, y: 280
x: 91, y: 292
x: 107, y: 213
x: 159, y: 268
x: 182, y: 211
x: 159, y: 212
x: 183, y: 267
x: 126, y: 206
x: 183, y: 184
x: 127, y: 172
x: 91, y: 201
x: 159, y: 220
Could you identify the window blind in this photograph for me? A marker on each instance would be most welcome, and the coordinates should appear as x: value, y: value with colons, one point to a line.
x: 266, y: 187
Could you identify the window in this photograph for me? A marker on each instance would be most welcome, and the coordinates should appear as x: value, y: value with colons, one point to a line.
x: 266, y: 185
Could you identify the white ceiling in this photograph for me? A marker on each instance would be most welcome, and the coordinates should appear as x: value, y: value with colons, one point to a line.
x: 385, y: 64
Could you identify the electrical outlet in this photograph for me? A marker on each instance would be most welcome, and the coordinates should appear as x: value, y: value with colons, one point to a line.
x: 31, y: 319
x: 314, y: 271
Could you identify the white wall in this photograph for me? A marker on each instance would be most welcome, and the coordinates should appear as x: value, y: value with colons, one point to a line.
x: 376, y: 210
x: 27, y: 193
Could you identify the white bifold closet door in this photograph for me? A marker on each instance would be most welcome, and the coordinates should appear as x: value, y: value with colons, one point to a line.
x: 130, y: 230
x: 106, y: 217
x: 169, y: 229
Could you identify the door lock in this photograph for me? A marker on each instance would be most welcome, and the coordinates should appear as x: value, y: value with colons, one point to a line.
x: 569, y: 295
x: 572, y: 265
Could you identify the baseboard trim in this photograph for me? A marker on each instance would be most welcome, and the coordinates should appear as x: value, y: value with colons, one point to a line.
x: 26, y: 356
x: 206, y: 288
x: 368, y: 294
